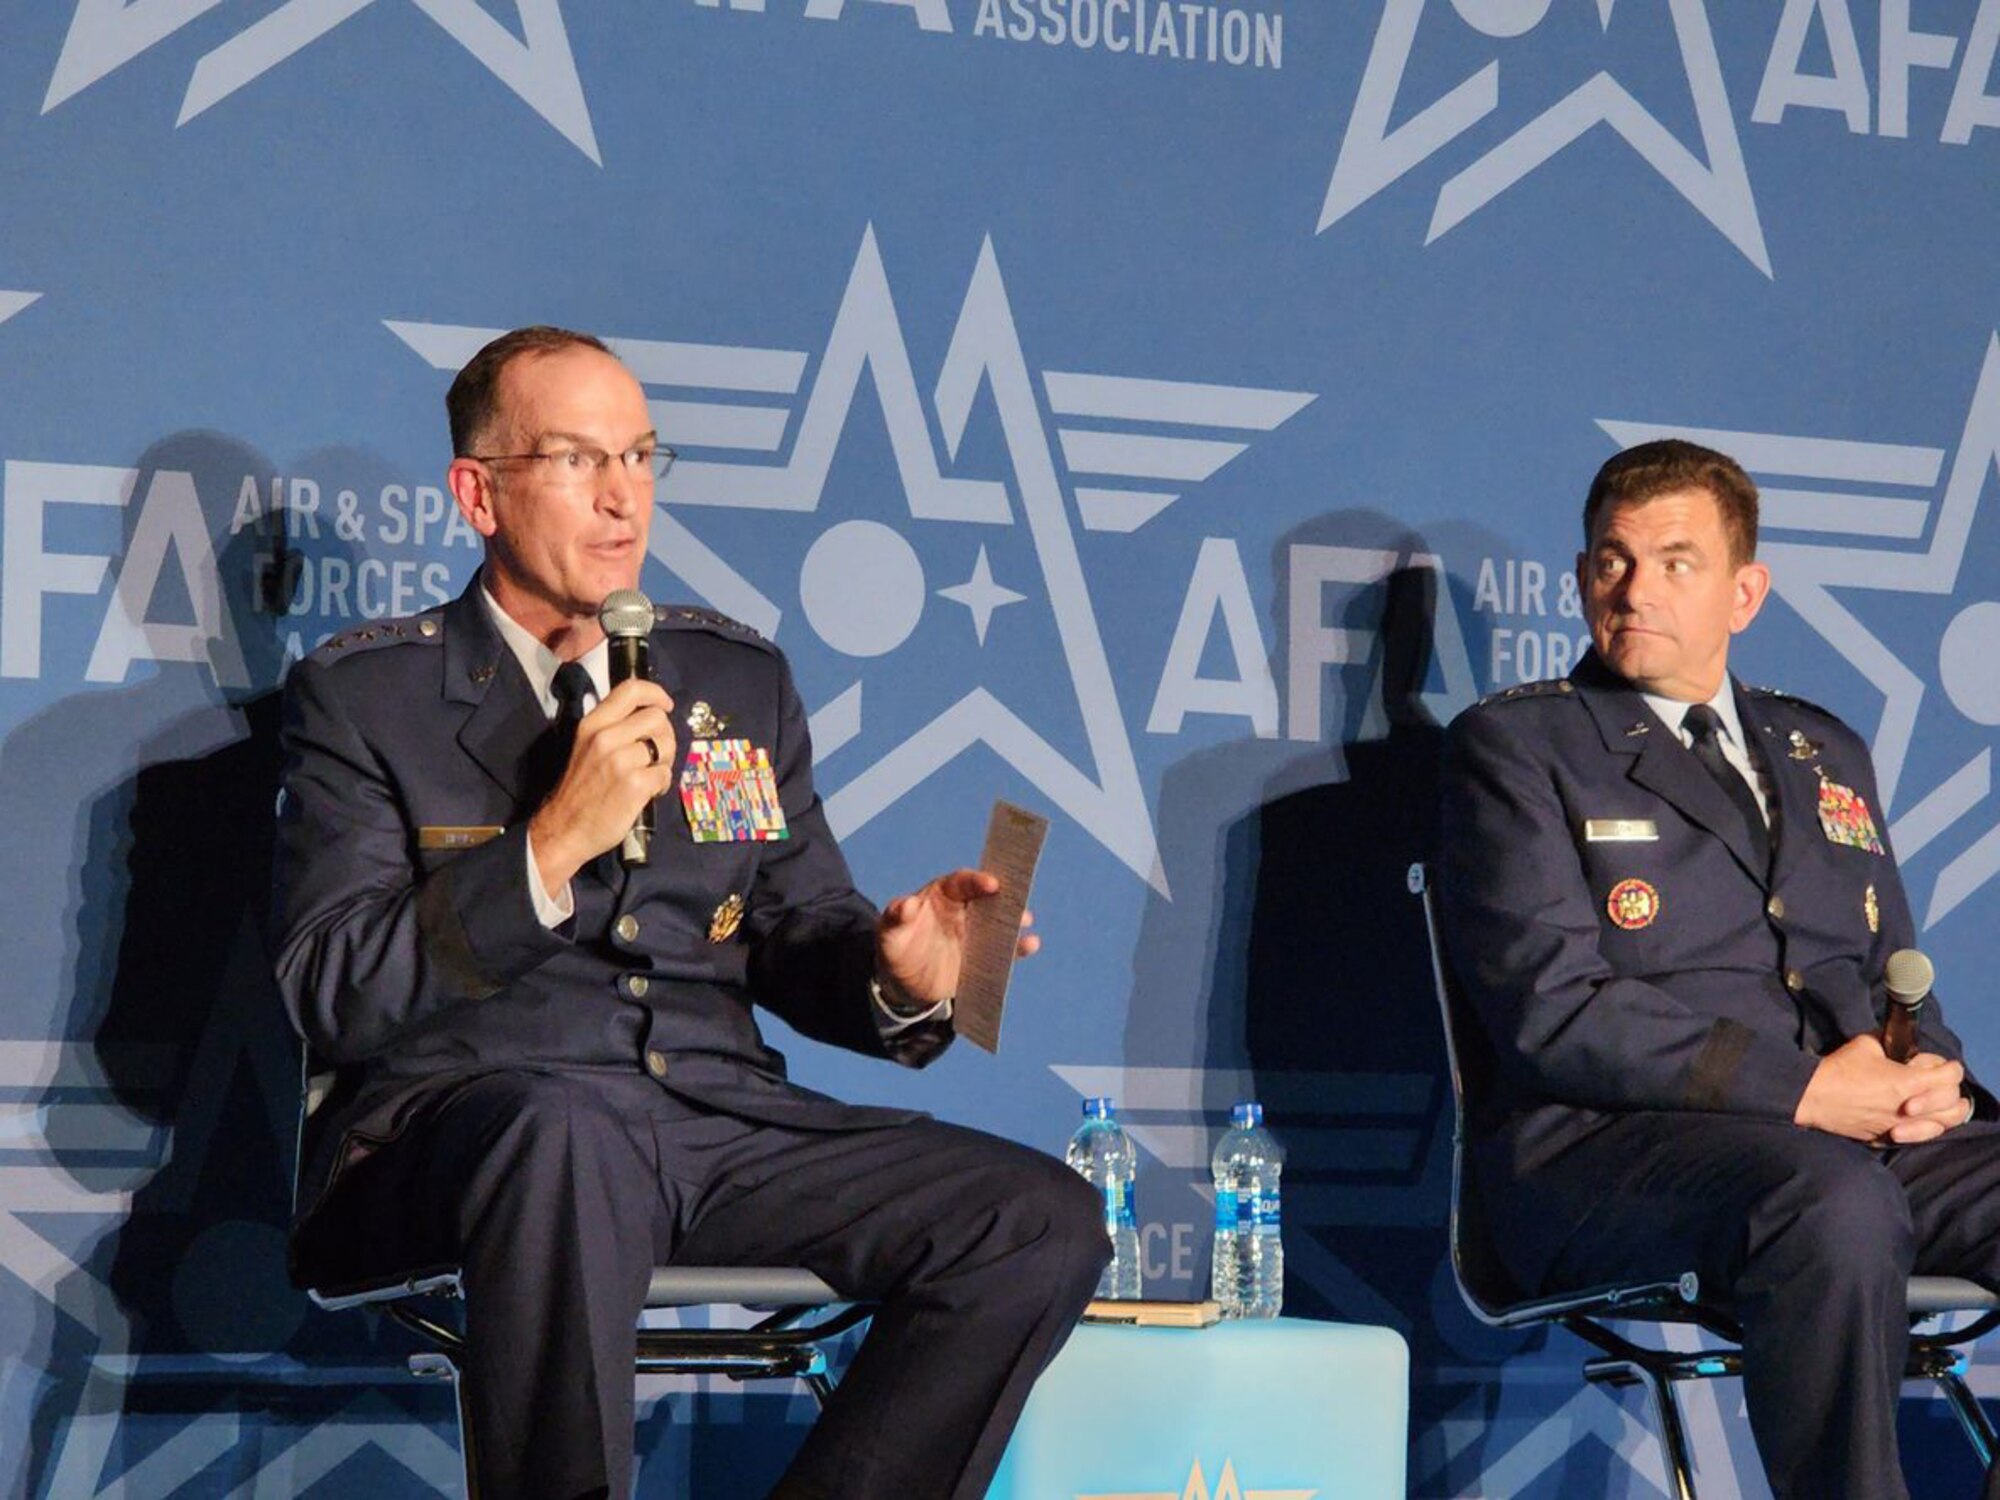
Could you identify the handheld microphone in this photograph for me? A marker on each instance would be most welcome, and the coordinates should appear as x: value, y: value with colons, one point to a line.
x: 1909, y: 976
x: 626, y: 617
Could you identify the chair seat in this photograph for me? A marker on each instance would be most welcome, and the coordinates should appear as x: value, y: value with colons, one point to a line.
x: 1673, y: 1301
x: 1931, y: 1295
x: 746, y: 1286
x: 671, y: 1286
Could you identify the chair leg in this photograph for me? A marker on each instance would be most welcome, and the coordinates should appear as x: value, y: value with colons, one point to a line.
x: 1667, y: 1411
x: 1673, y: 1437
x: 465, y: 1437
x: 441, y: 1366
x: 1972, y: 1418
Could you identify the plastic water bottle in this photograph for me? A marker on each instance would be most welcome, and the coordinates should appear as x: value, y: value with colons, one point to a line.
x: 1248, y: 1270
x: 1103, y: 1153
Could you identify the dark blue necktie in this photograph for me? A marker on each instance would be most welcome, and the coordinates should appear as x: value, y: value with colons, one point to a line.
x: 1705, y: 725
x: 551, y: 755
x: 571, y: 686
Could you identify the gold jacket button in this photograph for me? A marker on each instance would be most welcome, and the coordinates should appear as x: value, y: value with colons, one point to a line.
x: 1794, y: 980
x: 656, y: 1062
x: 636, y: 986
x: 1775, y: 908
x: 627, y: 928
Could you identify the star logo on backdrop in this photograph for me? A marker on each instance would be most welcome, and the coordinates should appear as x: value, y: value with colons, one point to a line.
x: 13, y: 302
x: 537, y: 65
x: 862, y: 586
x: 1896, y: 531
x: 1374, y: 154
x: 981, y: 595
x: 1196, y: 1488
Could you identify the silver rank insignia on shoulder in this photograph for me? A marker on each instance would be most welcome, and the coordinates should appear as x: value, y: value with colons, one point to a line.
x: 704, y: 723
x: 1802, y: 748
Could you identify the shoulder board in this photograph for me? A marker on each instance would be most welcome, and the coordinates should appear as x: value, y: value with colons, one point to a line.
x: 694, y: 617
x: 412, y: 630
x: 1792, y: 698
x: 1555, y: 687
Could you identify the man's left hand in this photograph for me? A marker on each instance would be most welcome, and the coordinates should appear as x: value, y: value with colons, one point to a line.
x: 920, y: 940
x: 1929, y: 1114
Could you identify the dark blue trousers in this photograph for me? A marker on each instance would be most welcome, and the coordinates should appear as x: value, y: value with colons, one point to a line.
x: 1811, y: 1239
x: 557, y: 1192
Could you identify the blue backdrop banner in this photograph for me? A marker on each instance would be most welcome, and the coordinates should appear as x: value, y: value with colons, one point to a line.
x: 1164, y: 414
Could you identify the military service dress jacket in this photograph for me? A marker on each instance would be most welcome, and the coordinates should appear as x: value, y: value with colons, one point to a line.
x: 409, y: 952
x: 1625, y: 948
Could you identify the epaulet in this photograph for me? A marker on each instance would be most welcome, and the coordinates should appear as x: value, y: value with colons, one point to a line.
x: 1546, y: 688
x: 1793, y: 699
x: 694, y: 617
x: 412, y: 630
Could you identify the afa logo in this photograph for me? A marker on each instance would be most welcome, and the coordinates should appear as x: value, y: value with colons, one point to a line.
x: 1374, y: 153
x: 1227, y: 1487
x: 1864, y: 519
x: 1661, y: 64
x: 925, y: 684
x: 536, y: 64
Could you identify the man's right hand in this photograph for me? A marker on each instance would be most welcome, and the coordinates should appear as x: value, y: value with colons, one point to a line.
x: 1857, y: 1092
x: 611, y: 776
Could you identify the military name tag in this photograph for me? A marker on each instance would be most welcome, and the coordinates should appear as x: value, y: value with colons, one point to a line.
x: 1620, y: 831
x: 1845, y: 819
x: 730, y: 794
x: 455, y: 838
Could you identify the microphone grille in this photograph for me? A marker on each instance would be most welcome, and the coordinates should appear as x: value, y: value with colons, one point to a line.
x: 1909, y: 976
x: 626, y: 612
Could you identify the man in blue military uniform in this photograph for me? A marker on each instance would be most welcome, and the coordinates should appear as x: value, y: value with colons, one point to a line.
x: 546, y: 1069
x: 1670, y: 901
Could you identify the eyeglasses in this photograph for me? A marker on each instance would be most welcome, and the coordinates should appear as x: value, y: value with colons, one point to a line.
x: 574, y: 467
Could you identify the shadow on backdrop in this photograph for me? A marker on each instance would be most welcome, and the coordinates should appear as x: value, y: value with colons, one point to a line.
x: 1310, y: 975
x: 157, y: 795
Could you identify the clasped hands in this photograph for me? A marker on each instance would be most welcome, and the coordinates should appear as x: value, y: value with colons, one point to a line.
x: 613, y: 772
x: 1857, y: 1092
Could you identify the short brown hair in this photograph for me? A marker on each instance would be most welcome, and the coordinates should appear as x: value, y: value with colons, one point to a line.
x: 1658, y: 468
x: 471, y: 403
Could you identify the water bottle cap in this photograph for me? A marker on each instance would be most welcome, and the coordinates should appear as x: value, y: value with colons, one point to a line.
x: 1097, y: 1109
x: 1249, y: 1114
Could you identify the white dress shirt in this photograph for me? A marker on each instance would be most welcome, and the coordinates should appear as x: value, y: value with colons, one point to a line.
x: 1673, y: 713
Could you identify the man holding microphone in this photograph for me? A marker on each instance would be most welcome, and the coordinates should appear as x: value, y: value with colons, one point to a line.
x: 547, y: 1072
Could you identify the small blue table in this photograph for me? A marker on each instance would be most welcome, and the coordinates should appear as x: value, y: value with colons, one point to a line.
x: 1284, y: 1409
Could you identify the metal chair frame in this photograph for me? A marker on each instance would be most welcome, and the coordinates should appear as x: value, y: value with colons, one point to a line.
x: 1624, y: 1362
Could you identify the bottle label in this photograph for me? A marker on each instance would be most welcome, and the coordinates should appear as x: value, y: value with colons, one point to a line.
x: 1238, y: 1211
x: 1120, y: 1206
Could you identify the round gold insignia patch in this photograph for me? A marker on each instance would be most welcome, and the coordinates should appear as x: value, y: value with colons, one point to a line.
x: 1633, y: 904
